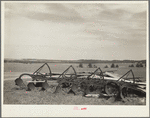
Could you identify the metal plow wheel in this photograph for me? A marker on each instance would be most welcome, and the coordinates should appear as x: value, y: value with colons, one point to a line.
x: 77, y: 90
x: 112, y: 89
x: 65, y: 88
x: 128, y: 94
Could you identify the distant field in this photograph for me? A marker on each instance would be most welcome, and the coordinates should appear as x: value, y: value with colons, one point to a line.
x: 12, y: 94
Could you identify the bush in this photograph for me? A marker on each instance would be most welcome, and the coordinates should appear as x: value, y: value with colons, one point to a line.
x: 90, y: 65
x: 131, y: 65
x: 80, y: 65
x: 139, y: 65
x: 106, y: 66
x: 112, y: 65
x: 117, y: 66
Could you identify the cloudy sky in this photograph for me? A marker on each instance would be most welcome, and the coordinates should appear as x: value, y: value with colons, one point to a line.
x: 82, y: 30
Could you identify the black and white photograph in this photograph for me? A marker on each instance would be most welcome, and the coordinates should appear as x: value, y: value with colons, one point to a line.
x: 76, y: 55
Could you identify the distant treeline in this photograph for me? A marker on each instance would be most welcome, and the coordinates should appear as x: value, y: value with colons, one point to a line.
x: 70, y: 61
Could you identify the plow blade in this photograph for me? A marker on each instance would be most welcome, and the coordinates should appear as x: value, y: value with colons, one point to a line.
x: 45, y: 85
x: 31, y: 86
x: 19, y: 82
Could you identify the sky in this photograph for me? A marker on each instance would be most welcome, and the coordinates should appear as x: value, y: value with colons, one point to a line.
x: 71, y: 31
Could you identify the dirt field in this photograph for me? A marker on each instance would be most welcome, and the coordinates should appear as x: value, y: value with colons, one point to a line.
x: 12, y: 94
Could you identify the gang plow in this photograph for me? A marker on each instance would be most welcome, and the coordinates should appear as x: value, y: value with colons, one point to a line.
x: 98, y: 82
x: 36, y: 79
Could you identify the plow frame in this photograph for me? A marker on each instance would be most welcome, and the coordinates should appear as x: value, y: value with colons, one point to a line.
x: 37, y: 78
x: 83, y: 85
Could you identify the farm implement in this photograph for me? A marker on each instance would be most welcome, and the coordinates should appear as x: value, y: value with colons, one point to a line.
x: 84, y: 83
x: 36, y: 79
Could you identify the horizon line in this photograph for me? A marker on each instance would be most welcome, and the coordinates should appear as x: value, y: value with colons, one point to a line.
x: 77, y: 59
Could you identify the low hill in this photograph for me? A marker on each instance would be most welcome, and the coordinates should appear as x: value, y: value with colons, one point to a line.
x: 6, y: 60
